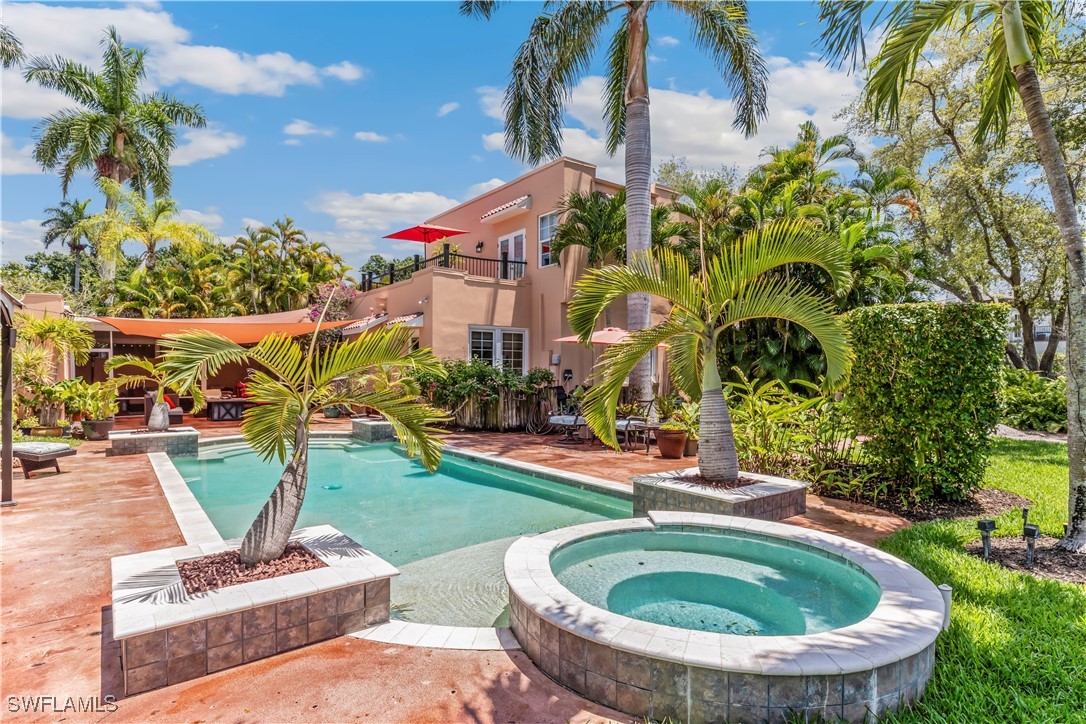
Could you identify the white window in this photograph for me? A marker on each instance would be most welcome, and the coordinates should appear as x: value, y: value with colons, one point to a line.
x: 548, y: 224
x: 501, y: 347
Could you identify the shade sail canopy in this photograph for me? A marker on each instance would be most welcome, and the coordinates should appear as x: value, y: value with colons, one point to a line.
x: 607, y: 335
x: 242, y: 330
x: 425, y: 233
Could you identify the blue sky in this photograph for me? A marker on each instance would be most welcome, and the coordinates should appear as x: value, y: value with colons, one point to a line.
x: 358, y: 118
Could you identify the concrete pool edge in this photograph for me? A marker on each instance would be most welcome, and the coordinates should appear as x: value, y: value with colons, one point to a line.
x: 652, y: 670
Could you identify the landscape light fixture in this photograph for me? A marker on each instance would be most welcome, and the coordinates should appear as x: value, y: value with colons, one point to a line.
x: 1025, y: 520
x: 1031, y: 533
x: 986, y: 526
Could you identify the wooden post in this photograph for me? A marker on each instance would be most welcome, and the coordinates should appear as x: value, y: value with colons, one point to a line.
x: 8, y: 333
x: 417, y: 262
x: 445, y: 255
x: 505, y: 265
x: 391, y: 273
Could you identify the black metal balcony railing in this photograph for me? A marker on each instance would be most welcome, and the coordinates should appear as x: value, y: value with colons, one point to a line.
x: 503, y: 268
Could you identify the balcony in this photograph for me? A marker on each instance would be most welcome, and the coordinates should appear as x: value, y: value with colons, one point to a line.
x: 503, y: 268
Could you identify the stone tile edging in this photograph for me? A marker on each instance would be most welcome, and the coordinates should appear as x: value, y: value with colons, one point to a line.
x: 434, y: 636
x: 177, y: 441
x: 575, y: 480
x: 168, y: 635
x: 195, y: 526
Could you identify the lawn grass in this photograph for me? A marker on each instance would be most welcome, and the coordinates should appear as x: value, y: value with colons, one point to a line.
x: 42, y: 438
x: 1016, y: 648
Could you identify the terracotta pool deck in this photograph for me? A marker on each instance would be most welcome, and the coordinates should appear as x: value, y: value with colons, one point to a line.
x: 55, y: 639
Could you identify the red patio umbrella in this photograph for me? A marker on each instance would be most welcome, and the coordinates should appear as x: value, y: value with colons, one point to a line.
x: 425, y: 233
x: 607, y: 335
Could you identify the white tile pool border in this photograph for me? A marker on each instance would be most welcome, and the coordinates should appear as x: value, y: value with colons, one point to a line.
x: 907, y: 619
x: 196, y: 528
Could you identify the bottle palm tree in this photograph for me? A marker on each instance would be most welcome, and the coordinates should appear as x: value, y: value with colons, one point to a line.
x: 11, y: 50
x: 150, y: 224
x: 557, y: 53
x: 736, y: 286
x: 148, y: 370
x: 121, y: 133
x: 65, y: 223
x: 293, y: 382
x: 1015, y: 33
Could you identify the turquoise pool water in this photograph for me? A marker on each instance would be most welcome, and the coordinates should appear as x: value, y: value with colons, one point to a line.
x: 447, y: 532
x: 720, y: 582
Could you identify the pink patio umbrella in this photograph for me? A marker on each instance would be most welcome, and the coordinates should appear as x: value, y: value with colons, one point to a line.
x: 426, y: 233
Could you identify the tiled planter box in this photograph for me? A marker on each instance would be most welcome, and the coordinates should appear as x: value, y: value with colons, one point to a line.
x: 168, y: 636
x: 651, y: 671
x: 178, y: 441
x: 771, y: 499
x: 372, y: 430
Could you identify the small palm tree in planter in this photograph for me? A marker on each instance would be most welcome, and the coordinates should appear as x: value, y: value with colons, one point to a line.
x: 289, y: 387
x: 744, y: 281
x: 149, y: 371
x: 99, y: 407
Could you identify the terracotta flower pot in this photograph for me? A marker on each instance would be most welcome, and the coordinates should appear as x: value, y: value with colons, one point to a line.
x: 42, y: 431
x: 672, y: 443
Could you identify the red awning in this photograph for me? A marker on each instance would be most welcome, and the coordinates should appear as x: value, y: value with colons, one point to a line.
x: 242, y: 330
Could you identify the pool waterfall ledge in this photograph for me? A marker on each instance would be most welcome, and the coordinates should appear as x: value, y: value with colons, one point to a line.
x: 863, y: 670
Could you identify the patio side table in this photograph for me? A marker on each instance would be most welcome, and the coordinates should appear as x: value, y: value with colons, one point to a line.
x: 225, y: 409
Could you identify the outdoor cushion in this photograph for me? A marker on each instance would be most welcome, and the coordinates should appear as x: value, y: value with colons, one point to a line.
x: 632, y: 424
x: 34, y: 456
x: 567, y: 420
x: 39, y: 448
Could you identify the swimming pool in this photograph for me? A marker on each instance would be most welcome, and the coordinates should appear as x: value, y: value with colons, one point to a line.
x: 447, y: 532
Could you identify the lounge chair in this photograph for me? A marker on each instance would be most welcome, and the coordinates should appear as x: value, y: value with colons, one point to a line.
x: 34, y: 456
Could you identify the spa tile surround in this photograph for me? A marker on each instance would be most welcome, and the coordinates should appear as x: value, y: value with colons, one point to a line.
x: 176, y: 441
x: 648, y: 670
x: 168, y: 636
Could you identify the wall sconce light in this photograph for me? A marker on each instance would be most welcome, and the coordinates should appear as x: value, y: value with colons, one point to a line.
x: 424, y: 300
x: 986, y: 526
x: 479, y: 247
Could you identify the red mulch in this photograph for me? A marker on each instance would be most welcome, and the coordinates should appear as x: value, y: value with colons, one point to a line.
x: 715, y: 484
x: 220, y: 570
x: 1048, y: 561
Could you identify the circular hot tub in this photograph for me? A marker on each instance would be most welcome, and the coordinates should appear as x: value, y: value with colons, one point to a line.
x: 714, y: 618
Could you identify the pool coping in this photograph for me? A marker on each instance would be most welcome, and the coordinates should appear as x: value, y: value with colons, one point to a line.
x: 197, y: 529
x: 907, y: 619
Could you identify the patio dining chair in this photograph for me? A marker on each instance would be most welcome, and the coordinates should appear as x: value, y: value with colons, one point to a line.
x: 636, y: 424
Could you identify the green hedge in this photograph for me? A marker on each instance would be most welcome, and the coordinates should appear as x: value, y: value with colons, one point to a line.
x: 924, y: 389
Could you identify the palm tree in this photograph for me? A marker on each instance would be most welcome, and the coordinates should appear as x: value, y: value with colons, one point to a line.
x: 123, y: 134
x: 736, y: 286
x: 291, y: 384
x: 595, y: 221
x: 286, y: 236
x: 65, y: 223
x: 149, y: 370
x: 11, y: 50
x: 886, y: 187
x: 152, y: 225
x: 1015, y: 34
x: 558, y: 52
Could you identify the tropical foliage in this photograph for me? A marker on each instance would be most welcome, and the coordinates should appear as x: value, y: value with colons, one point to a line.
x: 738, y: 284
x: 293, y: 380
x: 1033, y: 402
x: 65, y: 223
x: 116, y: 130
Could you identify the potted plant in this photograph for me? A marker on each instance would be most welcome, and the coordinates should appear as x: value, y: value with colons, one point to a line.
x: 332, y: 411
x: 27, y: 424
x: 671, y: 439
x: 99, y: 409
x: 688, y: 415
x: 76, y: 430
x: 49, y: 404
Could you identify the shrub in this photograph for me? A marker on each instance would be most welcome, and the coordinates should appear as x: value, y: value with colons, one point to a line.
x: 475, y: 378
x: 1032, y: 402
x: 924, y: 389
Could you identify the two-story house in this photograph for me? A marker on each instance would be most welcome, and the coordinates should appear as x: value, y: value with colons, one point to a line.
x: 496, y: 292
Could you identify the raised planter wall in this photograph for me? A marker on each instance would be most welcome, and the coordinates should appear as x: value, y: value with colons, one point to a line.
x: 168, y: 636
x: 368, y: 430
x: 178, y: 441
x: 770, y: 499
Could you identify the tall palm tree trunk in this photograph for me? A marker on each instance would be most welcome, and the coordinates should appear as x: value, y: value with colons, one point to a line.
x: 1059, y: 184
x: 638, y: 159
x: 270, y: 532
x: 717, y: 458
x: 78, y: 253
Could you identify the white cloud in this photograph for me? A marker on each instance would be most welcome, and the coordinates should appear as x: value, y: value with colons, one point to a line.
x: 371, y: 136
x: 209, y: 217
x: 699, y: 125
x: 292, y: 142
x: 16, y: 159
x: 249, y: 221
x: 200, y: 144
x: 484, y: 186
x: 490, y: 100
x: 20, y: 238
x: 345, y: 71
x: 75, y: 32
x: 667, y: 41
x: 447, y: 108
x: 656, y: 59
x: 298, y: 127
